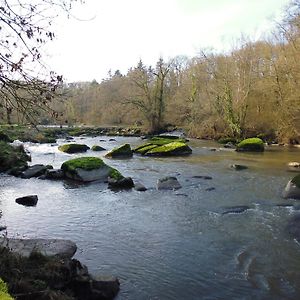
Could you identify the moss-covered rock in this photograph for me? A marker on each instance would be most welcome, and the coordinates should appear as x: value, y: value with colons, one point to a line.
x: 4, y: 291
x: 251, y: 145
x: 120, y: 152
x: 170, y: 149
x: 88, y: 169
x: 73, y: 148
x: 12, y: 159
x: 143, y: 149
x: 97, y: 148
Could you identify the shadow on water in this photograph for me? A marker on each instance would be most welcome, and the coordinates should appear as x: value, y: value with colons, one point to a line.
x: 221, y: 236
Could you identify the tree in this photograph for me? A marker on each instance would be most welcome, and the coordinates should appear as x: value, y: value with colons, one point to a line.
x: 150, y: 90
x: 26, y: 85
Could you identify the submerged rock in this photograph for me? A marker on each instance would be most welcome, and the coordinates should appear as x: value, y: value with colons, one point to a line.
x: 238, y: 167
x: 88, y: 169
x: 168, y: 183
x: 236, y: 209
x: 292, y: 189
x: 73, y: 148
x: 30, y: 200
x: 251, y: 145
x: 122, y: 151
x: 202, y: 177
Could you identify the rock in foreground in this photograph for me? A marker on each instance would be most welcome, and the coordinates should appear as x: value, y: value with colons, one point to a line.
x: 292, y: 189
x: 88, y: 169
x: 251, y: 145
x: 47, y: 247
x: 73, y: 148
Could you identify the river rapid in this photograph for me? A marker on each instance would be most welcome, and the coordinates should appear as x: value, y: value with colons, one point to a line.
x: 184, y: 244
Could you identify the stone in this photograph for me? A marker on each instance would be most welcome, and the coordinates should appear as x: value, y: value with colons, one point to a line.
x: 229, y: 146
x: 88, y: 169
x: 238, y: 167
x: 54, y: 174
x: 123, y: 151
x: 47, y: 247
x: 236, y: 209
x: 168, y: 183
x: 2, y: 228
x: 210, y: 189
x: 73, y: 148
x: 34, y: 171
x: 108, y: 285
x: 292, y: 189
x: 251, y: 145
x: 30, y: 200
x: 203, y: 177
x: 97, y: 148
x: 123, y: 183
x: 294, y: 166
x: 139, y: 187
x: 170, y: 149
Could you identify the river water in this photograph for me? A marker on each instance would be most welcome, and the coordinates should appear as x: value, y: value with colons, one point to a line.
x: 171, y: 244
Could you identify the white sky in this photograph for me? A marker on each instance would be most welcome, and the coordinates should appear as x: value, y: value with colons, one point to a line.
x: 120, y: 32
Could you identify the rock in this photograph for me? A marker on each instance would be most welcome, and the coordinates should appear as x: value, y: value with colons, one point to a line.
x: 88, y: 169
x: 229, y: 146
x: 30, y: 200
x: 112, y: 140
x: 97, y: 148
x: 210, y: 189
x: 294, y: 166
x: 168, y: 183
x: 123, y: 183
x: 122, y: 151
x: 139, y: 187
x: 34, y: 171
x: 293, y: 227
x: 54, y: 174
x: 73, y: 148
x: 292, y: 189
x: 251, y: 145
x: 238, y: 167
x: 109, y: 286
x: 202, y: 177
x: 47, y: 247
x: 171, y: 149
x: 235, y: 209
x: 3, y: 228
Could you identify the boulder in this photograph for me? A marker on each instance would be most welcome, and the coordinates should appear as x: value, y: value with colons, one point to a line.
x: 123, y: 183
x: 292, y: 189
x: 229, y: 146
x: 238, y: 167
x: 73, y: 148
x: 108, y: 286
x: 171, y: 149
x: 34, y: 171
x: 168, y: 183
x: 97, y: 148
x: 139, y: 187
x: 122, y: 151
x: 30, y: 200
x: 88, y: 169
x: 202, y: 177
x: 54, y: 174
x: 251, y: 145
x: 235, y: 209
x: 294, y: 166
x: 47, y: 247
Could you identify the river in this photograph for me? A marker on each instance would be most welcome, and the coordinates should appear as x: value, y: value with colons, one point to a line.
x: 171, y: 244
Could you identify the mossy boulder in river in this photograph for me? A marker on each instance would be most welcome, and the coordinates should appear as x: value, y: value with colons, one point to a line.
x: 73, y: 148
x: 97, y: 148
x: 88, y: 169
x: 122, y: 151
x: 164, y: 146
x: 251, y: 145
x: 12, y: 159
x: 292, y: 189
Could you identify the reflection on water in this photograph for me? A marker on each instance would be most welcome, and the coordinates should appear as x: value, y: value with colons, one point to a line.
x: 172, y: 245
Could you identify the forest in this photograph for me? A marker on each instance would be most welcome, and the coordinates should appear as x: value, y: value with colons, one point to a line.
x: 252, y: 90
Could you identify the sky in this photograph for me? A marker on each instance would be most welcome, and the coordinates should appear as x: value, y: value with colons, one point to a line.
x: 114, y: 35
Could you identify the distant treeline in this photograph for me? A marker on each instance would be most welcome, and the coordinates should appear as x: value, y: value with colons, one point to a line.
x: 252, y: 90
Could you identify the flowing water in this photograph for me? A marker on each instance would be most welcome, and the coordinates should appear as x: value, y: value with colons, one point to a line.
x: 171, y: 244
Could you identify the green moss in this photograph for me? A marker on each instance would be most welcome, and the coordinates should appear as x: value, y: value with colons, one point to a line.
x: 296, y: 181
x: 163, y: 140
x: 123, y: 150
x: 97, y: 148
x: 4, y: 291
x: 174, y: 148
x: 143, y: 150
x: 11, y: 157
x: 73, y: 148
x: 85, y: 163
x: 115, y: 174
x: 251, y: 144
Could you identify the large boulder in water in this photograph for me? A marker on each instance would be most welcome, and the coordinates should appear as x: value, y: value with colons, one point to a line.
x: 123, y: 151
x: 30, y: 200
x: 251, y: 145
x: 88, y: 169
x: 73, y: 148
x: 292, y: 189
